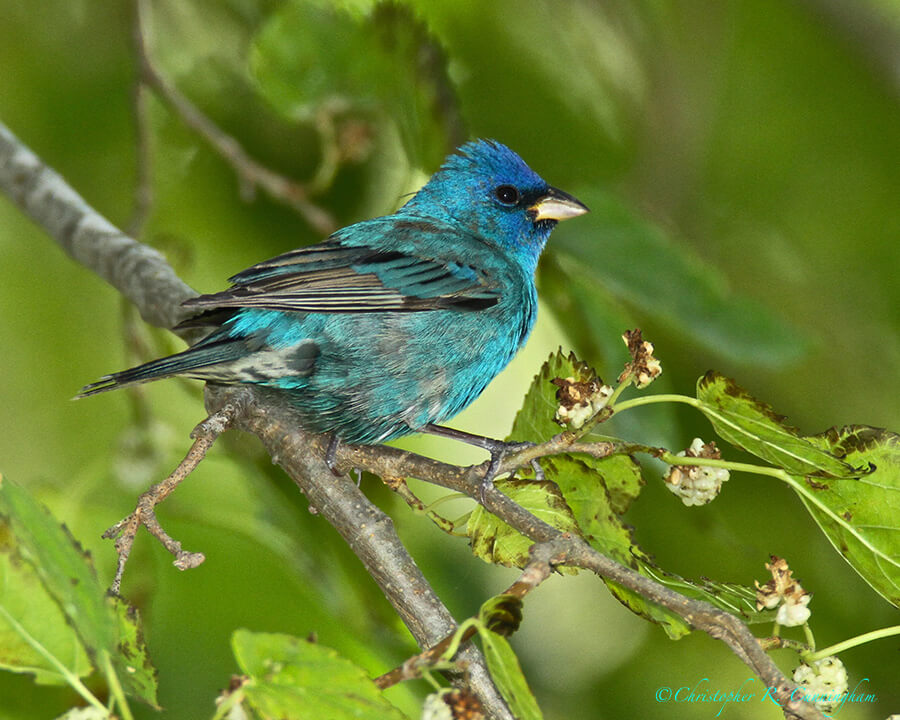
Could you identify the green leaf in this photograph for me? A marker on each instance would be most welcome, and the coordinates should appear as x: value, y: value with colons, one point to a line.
x: 29, y: 616
x: 298, y: 50
x: 64, y: 568
x: 585, y: 492
x: 132, y: 661
x: 293, y: 679
x: 102, y: 624
x: 861, y: 515
x: 751, y: 425
x: 585, y: 484
x: 731, y: 597
x: 534, y: 422
x: 496, y: 542
x: 597, y: 492
x: 635, y: 261
x: 506, y: 672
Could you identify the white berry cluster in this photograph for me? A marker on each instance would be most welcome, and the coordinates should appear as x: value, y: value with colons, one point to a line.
x: 697, y: 485
x: 824, y: 682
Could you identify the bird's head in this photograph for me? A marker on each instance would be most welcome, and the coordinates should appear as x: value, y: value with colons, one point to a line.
x: 490, y: 191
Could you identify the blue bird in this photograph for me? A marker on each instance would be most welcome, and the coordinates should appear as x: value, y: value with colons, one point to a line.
x: 391, y: 325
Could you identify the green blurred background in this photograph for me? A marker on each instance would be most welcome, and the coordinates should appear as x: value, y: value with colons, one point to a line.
x: 742, y: 160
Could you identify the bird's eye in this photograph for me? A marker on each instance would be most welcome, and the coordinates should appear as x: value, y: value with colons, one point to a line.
x: 507, y: 194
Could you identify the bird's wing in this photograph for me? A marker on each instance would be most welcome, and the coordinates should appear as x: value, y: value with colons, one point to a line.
x: 335, y: 277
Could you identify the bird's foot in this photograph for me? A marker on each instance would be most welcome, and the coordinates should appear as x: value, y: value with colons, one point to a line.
x: 331, y: 453
x: 331, y: 460
x: 499, y: 449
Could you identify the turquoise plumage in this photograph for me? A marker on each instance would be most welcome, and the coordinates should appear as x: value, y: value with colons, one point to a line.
x: 391, y: 325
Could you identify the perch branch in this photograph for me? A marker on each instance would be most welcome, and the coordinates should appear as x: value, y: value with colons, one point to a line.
x: 367, y: 530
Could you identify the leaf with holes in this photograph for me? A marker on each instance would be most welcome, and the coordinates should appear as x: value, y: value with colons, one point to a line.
x: 753, y: 426
x: 294, y: 679
x: 861, y: 515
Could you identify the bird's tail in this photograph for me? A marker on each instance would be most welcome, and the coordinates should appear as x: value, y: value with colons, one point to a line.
x: 190, y: 362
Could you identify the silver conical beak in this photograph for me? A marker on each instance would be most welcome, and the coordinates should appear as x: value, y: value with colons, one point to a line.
x: 557, y: 205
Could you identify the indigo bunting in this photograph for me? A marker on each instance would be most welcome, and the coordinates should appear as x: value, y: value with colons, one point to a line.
x: 391, y: 325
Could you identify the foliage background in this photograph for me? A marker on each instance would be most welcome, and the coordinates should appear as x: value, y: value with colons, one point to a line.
x: 753, y: 144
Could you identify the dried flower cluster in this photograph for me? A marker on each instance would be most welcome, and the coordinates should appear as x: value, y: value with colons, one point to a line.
x: 785, y: 593
x: 643, y: 366
x: 579, y: 400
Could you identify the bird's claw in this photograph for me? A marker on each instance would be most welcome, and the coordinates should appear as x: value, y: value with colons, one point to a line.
x: 487, y: 482
x: 331, y: 453
x: 499, y: 449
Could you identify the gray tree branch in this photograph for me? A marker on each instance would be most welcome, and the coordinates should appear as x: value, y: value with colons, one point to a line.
x: 137, y: 271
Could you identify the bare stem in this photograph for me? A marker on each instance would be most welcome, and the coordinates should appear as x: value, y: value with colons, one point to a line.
x: 143, y: 191
x: 250, y: 173
x: 533, y: 574
x: 126, y: 529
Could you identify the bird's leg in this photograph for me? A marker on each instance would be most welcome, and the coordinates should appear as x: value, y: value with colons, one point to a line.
x: 331, y: 452
x: 497, y: 448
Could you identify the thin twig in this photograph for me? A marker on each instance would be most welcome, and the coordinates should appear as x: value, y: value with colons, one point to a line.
x: 126, y: 529
x: 399, y: 486
x: 143, y: 191
x: 533, y: 574
x: 251, y: 174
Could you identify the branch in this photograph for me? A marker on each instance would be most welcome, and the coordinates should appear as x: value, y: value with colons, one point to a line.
x: 250, y: 173
x: 367, y: 530
x: 143, y: 275
x: 137, y: 271
x: 125, y: 530
x: 533, y: 574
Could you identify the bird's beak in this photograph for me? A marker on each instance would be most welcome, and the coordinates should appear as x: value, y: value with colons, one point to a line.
x: 556, y: 205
